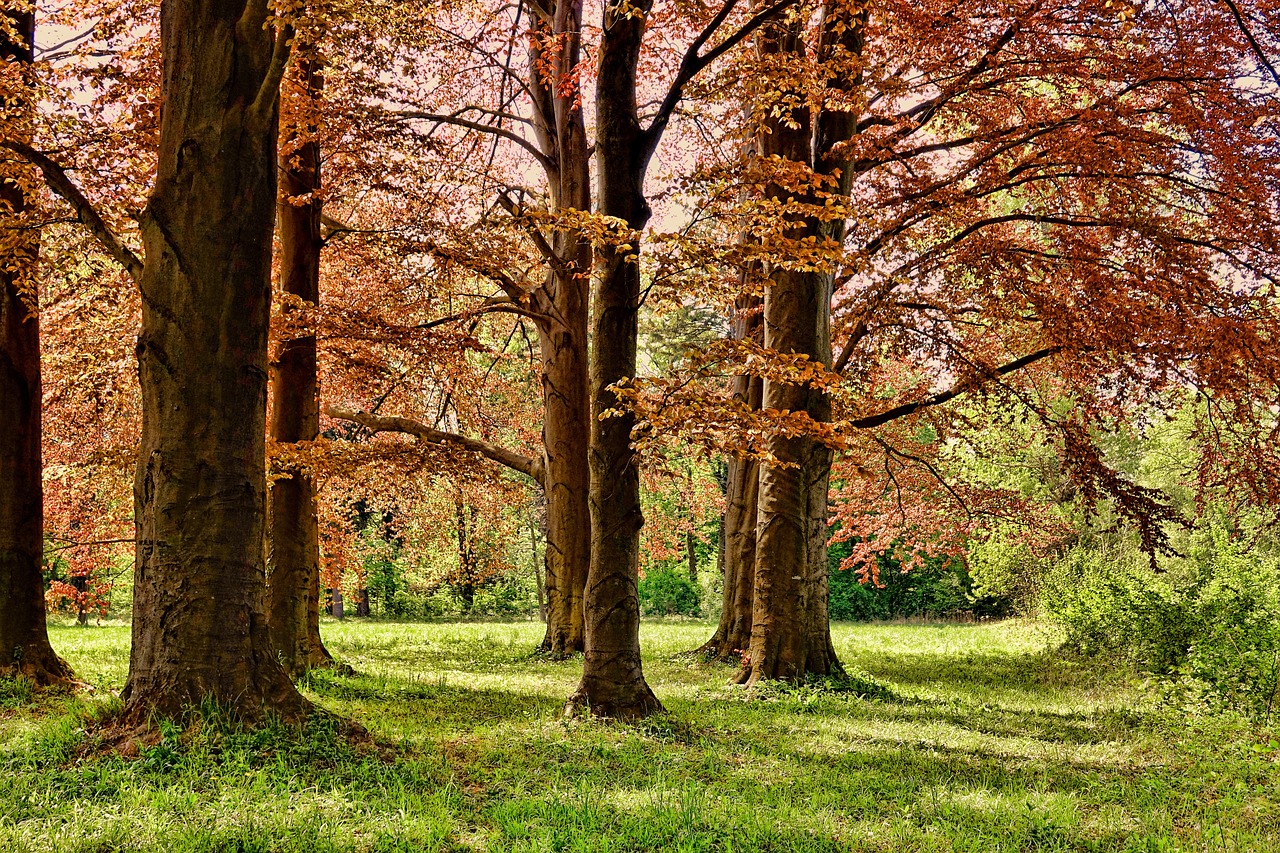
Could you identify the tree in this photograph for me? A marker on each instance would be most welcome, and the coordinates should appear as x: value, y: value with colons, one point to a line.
x: 1030, y: 210
x: 613, y: 680
x: 24, y: 638
x: 293, y: 601
x: 199, y: 627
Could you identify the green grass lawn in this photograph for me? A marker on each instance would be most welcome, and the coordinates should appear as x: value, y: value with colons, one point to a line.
x: 989, y: 741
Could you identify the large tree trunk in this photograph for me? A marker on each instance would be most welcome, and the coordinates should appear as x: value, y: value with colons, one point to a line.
x: 199, y: 613
x: 24, y: 637
x: 562, y: 307
x: 613, y: 682
x: 293, y: 602
x: 791, y: 634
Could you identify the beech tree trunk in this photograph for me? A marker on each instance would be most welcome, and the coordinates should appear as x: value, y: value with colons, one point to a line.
x: 791, y: 634
x: 293, y: 602
x: 199, y: 614
x: 733, y: 633
x: 613, y: 682
x: 566, y: 434
x: 24, y: 637
x: 562, y: 310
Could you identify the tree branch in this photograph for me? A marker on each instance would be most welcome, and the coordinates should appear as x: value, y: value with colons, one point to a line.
x: 693, y: 62
x: 269, y: 91
x: 905, y: 409
x: 56, y: 177
x: 1253, y: 42
x: 533, y: 468
x: 480, y: 127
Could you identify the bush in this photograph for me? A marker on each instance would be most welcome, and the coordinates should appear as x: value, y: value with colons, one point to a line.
x: 667, y: 592
x: 1209, y: 626
x: 939, y: 588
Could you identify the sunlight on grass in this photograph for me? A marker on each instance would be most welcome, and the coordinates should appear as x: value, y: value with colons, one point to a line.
x: 990, y: 741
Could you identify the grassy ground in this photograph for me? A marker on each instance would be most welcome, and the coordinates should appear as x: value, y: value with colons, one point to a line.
x: 989, y: 741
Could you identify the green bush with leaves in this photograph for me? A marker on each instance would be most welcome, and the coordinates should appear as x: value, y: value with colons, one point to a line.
x: 667, y: 592
x: 939, y: 588
x: 1208, y: 623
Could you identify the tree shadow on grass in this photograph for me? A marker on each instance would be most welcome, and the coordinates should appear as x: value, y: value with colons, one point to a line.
x: 1028, y: 673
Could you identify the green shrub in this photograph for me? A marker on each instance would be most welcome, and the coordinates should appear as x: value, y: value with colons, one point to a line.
x: 1208, y: 625
x: 939, y: 588
x: 667, y: 592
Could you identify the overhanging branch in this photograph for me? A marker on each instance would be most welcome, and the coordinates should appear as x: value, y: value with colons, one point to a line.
x: 533, y: 468
x: 58, y: 181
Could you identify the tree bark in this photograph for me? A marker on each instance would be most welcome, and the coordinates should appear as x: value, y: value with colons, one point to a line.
x: 733, y: 633
x: 562, y: 308
x: 199, y: 615
x: 613, y: 683
x: 791, y: 636
x: 293, y: 598
x: 24, y: 637
x: 692, y: 555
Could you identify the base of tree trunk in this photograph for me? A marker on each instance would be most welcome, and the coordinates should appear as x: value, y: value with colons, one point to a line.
x: 266, y: 697
x: 820, y: 660
x: 560, y: 644
x: 39, y: 664
x: 628, y: 699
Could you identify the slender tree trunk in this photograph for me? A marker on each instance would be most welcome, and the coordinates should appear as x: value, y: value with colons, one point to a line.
x: 733, y: 633
x: 791, y: 635
x: 538, y: 562
x: 562, y: 306
x: 293, y: 600
x: 199, y: 613
x: 613, y: 682
x: 24, y: 637
x: 692, y: 556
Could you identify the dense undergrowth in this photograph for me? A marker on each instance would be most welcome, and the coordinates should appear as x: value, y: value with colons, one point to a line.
x: 977, y: 737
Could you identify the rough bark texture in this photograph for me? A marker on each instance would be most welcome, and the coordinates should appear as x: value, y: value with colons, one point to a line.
x: 199, y: 614
x: 733, y: 633
x: 293, y: 600
x: 24, y: 638
x: 562, y: 309
x: 613, y: 682
x: 791, y: 635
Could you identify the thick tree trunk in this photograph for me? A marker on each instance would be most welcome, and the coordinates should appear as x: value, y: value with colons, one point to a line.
x: 613, y: 682
x: 293, y: 598
x: 24, y: 637
x: 791, y: 635
x: 562, y: 307
x: 199, y: 614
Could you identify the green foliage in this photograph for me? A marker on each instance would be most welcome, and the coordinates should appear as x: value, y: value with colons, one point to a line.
x: 1209, y: 624
x: 667, y: 592
x: 940, y: 588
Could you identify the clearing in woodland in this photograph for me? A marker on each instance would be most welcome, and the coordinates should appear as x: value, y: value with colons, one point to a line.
x: 975, y: 737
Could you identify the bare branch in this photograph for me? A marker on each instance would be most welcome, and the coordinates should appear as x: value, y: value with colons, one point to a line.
x: 533, y: 468
x: 57, y: 179
x: 694, y: 62
x: 950, y: 394
x: 478, y: 126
